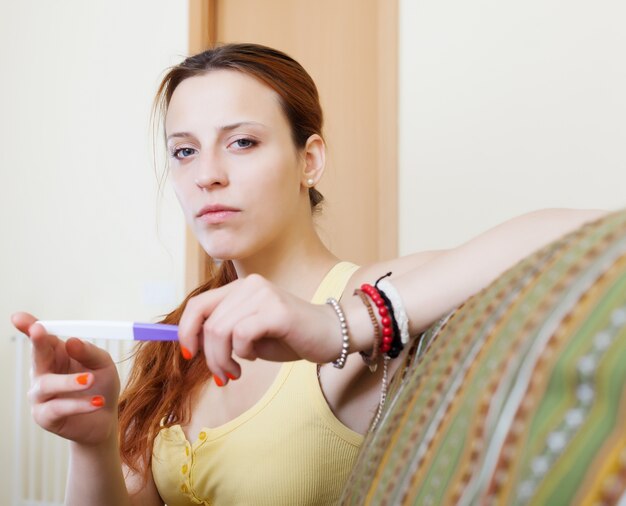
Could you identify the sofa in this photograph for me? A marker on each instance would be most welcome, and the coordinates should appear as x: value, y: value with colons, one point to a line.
x: 518, y: 396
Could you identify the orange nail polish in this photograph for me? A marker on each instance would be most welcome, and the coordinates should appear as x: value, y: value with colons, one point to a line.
x: 97, y: 401
x: 218, y: 381
x: 82, y: 379
x: 186, y: 353
x: 230, y: 376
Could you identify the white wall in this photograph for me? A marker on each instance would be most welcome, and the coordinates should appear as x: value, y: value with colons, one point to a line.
x: 79, y: 212
x: 506, y: 107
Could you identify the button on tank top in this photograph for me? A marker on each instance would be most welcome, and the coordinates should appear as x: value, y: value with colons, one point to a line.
x: 287, y: 449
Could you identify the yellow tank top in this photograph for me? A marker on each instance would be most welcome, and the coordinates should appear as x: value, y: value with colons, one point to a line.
x: 288, y: 449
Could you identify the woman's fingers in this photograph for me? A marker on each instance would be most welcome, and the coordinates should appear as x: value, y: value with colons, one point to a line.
x: 43, y: 344
x: 52, y: 413
x: 197, y: 310
x: 251, y: 318
x: 250, y: 342
x: 88, y: 354
x: 257, y: 332
x: 22, y: 321
x: 253, y: 295
x: 217, y: 331
x: 289, y: 329
x: 44, y: 350
x: 218, y: 353
x: 47, y: 386
x: 207, y: 306
x: 71, y: 381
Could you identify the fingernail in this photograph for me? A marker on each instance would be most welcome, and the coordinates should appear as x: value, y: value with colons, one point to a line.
x: 82, y: 379
x: 186, y: 353
x: 97, y: 401
x: 230, y: 376
x: 218, y: 381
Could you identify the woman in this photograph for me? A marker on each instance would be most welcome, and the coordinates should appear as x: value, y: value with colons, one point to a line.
x: 243, y: 127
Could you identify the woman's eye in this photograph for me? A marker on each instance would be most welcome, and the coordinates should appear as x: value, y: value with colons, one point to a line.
x: 183, y: 153
x: 243, y: 143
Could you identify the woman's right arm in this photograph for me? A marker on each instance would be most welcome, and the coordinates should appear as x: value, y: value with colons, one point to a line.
x: 74, y: 393
x: 121, y: 487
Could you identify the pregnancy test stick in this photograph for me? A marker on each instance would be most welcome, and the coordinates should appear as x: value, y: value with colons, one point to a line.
x: 119, y: 331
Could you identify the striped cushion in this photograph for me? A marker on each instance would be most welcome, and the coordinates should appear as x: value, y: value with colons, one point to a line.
x: 518, y: 396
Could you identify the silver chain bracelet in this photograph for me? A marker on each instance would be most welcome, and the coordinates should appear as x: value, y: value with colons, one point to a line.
x: 345, y: 339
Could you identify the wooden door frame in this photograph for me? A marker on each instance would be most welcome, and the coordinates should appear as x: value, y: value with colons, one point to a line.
x: 203, y: 34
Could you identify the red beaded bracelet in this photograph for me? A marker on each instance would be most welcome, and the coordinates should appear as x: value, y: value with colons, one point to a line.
x: 387, y: 339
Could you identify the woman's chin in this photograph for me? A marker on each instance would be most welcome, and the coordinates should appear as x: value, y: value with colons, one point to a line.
x: 220, y: 254
x: 229, y: 250
x: 220, y: 257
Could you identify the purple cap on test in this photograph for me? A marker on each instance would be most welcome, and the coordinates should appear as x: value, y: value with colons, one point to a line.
x: 155, y: 332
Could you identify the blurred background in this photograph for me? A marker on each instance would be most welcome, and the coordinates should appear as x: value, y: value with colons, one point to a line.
x: 443, y: 119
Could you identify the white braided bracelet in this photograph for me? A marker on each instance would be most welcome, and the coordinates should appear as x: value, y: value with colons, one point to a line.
x: 398, y: 308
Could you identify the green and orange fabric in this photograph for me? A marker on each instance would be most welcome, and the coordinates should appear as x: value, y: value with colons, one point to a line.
x: 519, y: 395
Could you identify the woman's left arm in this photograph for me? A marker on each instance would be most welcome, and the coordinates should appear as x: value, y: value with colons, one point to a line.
x: 435, y: 287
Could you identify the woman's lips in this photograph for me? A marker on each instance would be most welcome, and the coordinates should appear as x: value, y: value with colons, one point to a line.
x: 216, y: 213
x: 214, y: 217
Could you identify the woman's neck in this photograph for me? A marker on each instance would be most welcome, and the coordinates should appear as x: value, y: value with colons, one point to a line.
x: 296, y: 266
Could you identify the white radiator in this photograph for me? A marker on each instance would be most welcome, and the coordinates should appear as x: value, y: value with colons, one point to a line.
x: 41, y: 458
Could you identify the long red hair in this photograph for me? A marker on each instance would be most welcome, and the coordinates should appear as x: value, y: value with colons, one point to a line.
x: 161, y: 384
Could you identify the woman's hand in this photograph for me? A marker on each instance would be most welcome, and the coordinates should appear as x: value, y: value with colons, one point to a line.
x: 74, y: 385
x: 253, y: 318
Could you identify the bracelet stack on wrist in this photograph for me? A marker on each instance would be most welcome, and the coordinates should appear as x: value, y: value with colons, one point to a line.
x: 390, y: 335
x: 393, y: 317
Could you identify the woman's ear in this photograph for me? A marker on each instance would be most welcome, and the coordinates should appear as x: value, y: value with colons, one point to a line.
x: 314, y: 161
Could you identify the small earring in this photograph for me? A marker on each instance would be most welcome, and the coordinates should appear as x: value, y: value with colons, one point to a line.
x: 310, y: 182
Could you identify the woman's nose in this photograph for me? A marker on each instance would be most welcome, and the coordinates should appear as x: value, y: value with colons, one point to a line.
x: 211, y: 173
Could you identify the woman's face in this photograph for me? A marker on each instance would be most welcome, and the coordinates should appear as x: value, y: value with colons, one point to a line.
x: 233, y: 164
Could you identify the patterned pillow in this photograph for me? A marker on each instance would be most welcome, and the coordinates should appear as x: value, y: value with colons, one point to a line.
x: 519, y: 395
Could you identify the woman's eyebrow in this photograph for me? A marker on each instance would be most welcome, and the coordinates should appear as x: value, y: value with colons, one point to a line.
x: 233, y: 126
x: 179, y: 134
